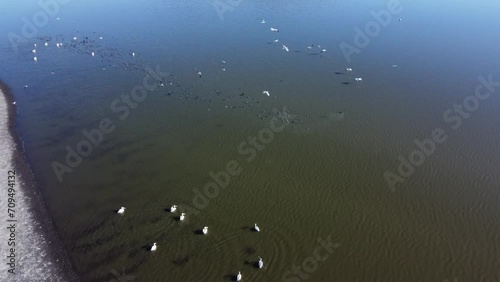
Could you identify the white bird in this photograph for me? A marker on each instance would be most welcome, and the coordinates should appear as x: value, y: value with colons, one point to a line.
x: 199, y: 74
x: 358, y: 79
x: 263, y: 21
x: 348, y: 69
x: 261, y: 263
x: 26, y: 86
x: 274, y: 29
x: 319, y: 46
x: 276, y: 40
x: 13, y: 103
x: 100, y: 37
x: 256, y: 228
x: 323, y: 50
x: 75, y: 38
x: 161, y: 84
x: 133, y: 54
x: 34, y: 44
x: 223, y: 62
x: 121, y: 210
x: 35, y: 59
x: 93, y: 54
x: 223, y: 69
x: 34, y: 51
x: 309, y: 47
x: 57, y: 45
x: 183, y: 215
x: 238, y: 277
x: 153, y: 248
x: 285, y: 48
x: 58, y: 19
x: 46, y: 44
x: 205, y: 230
x: 173, y: 208
x: 394, y: 66
x: 265, y: 92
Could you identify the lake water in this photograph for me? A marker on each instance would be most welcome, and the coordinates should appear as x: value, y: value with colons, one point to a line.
x: 319, y: 177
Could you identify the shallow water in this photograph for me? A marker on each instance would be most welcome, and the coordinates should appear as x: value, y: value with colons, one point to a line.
x: 322, y: 176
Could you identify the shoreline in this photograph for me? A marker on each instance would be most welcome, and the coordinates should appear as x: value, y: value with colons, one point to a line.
x: 39, y: 248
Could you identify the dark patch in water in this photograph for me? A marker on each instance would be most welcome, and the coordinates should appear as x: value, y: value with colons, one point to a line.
x: 250, y: 250
x: 183, y: 260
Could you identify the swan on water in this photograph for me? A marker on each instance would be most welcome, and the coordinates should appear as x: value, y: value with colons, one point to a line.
x: 93, y: 54
x: 133, y: 54
x: 35, y: 59
x: 183, y: 215
x: 263, y: 21
x: 358, y: 79
x: 173, y: 208
x: 261, y: 263
x: 256, y: 228
x: 153, y: 248
x: 348, y: 69
x: 274, y: 29
x: 205, y: 230
x: 285, y: 48
x: 276, y: 40
x: 46, y: 44
x: 265, y: 92
x: 199, y: 74
x: 238, y: 277
x: 323, y: 50
x: 121, y: 210
x: 34, y: 51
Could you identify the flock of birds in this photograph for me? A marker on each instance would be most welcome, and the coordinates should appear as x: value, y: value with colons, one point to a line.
x: 310, y: 47
x: 92, y: 47
x: 173, y: 209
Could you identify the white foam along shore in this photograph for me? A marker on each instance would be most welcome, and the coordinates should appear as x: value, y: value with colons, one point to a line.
x: 39, y: 255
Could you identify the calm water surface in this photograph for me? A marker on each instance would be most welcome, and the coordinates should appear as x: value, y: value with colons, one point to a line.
x: 321, y: 177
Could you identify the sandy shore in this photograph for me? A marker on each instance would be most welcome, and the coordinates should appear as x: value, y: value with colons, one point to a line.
x: 39, y: 254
